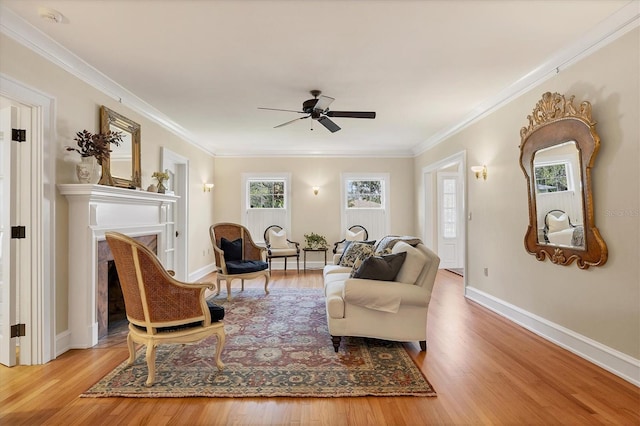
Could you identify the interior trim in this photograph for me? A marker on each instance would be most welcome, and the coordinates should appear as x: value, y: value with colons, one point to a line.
x: 616, y: 25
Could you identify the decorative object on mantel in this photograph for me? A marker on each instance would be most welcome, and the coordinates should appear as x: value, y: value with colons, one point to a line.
x: 315, y: 241
x: 152, y: 188
x: 92, y: 147
x: 161, y: 177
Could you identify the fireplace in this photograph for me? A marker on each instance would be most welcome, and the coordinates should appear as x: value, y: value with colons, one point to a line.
x: 94, y: 210
x: 110, y: 304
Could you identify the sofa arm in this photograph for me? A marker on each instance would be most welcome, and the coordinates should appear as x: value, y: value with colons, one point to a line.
x: 384, y: 296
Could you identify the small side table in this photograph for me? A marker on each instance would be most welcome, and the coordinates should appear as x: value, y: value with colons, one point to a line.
x: 308, y: 249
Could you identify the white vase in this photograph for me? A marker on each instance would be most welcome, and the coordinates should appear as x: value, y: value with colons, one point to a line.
x: 85, y: 169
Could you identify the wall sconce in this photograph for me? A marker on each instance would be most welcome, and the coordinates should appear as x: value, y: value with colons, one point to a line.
x: 208, y: 187
x: 480, y: 171
x: 316, y: 189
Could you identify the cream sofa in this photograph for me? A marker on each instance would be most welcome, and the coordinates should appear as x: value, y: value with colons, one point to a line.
x: 388, y: 310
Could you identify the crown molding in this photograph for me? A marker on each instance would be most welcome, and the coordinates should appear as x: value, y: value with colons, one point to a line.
x: 610, y: 29
x: 616, y: 25
x: 24, y: 33
x: 306, y: 154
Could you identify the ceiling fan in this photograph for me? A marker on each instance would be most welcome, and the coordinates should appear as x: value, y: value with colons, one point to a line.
x: 318, y: 109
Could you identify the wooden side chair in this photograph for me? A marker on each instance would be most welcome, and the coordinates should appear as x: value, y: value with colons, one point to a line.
x: 159, y: 308
x: 237, y: 256
x: 353, y: 233
x: 280, y: 247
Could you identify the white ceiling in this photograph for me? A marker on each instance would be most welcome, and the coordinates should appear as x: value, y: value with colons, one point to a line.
x: 425, y: 67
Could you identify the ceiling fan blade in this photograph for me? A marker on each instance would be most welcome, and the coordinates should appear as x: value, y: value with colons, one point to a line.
x: 323, y: 103
x: 351, y: 114
x: 287, y: 110
x: 330, y: 125
x: 290, y: 122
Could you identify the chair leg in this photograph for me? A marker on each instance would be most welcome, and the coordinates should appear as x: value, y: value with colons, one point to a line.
x: 218, y: 280
x: 267, y: 276
x: 151, y: 363
x: 269, y: 264
x: 285, y: 264
x: 423, y: 345
x: 221, y: 339
x: 132, y: 349
x: 298, y: 263
x: 228, y: 289
x: 336, y: 342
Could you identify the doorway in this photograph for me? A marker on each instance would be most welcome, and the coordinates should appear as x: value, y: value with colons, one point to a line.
x: 177, y: 254
x: 445, y: 211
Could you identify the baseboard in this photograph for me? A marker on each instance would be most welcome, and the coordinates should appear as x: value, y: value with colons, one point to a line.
x: 202, y: 272
x: 63, y: 342
x: 616, y: 362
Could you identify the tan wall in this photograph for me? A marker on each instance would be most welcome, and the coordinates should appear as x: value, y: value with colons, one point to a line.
x: 316, y: 213
x: 600, y: 303
x: 76, y: 108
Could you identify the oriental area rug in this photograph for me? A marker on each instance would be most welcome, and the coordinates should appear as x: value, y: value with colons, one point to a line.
x: 277, y: 345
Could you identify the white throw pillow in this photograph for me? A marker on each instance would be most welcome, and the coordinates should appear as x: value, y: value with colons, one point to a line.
x: 413, y: 264
x: 278, y: 240
x: 354, y: 236
x: 558, y: 223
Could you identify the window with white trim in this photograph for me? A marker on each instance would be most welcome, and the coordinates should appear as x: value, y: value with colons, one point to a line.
x: 365, y: 202
x: 553, y: 177
x: 265, y: 202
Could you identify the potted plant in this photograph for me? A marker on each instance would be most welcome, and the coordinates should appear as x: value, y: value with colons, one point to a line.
x: 315, y: 241
x: 90, y: 146
x: 161, y: 177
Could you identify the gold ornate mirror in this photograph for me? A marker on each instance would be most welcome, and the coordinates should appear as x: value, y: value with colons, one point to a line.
x: 557, y: 152
x: 122, y: 168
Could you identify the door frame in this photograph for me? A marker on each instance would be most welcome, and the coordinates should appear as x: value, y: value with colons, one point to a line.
x: 430, y: 206
x: 40, y: 341
x: 181, y: 188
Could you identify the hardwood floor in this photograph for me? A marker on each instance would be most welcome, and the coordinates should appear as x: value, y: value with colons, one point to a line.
x: 485, y: 370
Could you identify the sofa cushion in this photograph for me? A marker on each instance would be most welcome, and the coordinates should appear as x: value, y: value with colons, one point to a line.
x: 381, y: 268
x: 232, y: 249
x: 278, y: 240
x: 355, y: 250
x: 413, y: 264
x: 245, y: 266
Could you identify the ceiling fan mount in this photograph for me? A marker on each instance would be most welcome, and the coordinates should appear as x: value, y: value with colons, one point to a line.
x: 318, y: 109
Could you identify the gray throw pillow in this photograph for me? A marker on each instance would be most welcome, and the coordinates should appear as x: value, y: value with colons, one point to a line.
x: 381, y: 268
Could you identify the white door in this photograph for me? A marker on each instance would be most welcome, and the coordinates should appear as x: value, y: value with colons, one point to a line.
x: 176, y: 255
x: 450, y: 245
x: 15, y: 271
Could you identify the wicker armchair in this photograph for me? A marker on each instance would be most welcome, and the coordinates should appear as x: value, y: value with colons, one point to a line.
x: 237, y: 256
x: 159, y: 308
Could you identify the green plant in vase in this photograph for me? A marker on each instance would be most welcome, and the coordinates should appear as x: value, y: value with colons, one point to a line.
x: 315, y: 241
x: 161, y: 177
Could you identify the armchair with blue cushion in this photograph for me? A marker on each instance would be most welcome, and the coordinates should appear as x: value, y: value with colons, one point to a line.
x: 237, y: 256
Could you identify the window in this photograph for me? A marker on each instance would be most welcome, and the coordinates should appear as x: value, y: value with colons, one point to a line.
x: 266, y: 194
x: 449, y: 210
x: 552, y: 177
x: 265, y: 202
x: 365, y: 194
x: 365, y: 202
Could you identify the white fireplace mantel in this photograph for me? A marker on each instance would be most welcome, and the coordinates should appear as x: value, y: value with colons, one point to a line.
x: 94, y: 210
